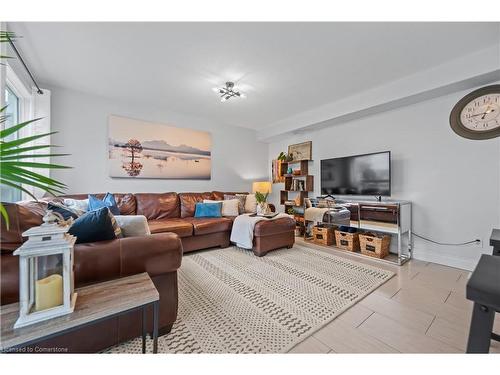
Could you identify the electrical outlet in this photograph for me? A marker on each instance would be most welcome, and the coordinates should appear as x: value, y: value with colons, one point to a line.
x: 478, y: 243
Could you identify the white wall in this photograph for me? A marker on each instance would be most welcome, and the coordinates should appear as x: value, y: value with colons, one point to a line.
x: 81, y: 120
x: 454, y: 183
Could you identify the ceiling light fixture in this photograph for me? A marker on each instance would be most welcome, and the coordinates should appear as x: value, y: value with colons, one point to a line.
x: 228, y: 92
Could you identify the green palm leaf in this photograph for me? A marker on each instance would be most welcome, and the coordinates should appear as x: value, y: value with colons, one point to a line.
x: 33, y: 175
x: 20, y: 141
x: 28, y: 164
x: 13, y: 129
x: 20, y: 150
x: 6, y: 35
x: 16, y: 186
x: 5, y: 215
x: 17, y: 157
x: 16, y: 181
x: 37, y: 178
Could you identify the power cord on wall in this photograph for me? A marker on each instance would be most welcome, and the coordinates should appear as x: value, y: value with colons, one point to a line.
x: 447, y: 244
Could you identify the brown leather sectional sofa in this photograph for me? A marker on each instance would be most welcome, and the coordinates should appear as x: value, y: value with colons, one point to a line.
x: 174, y: 230
x: 172, y: 212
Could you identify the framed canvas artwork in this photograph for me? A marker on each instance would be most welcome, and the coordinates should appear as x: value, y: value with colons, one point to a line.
x: 142, y: 149
x: 301, y: 151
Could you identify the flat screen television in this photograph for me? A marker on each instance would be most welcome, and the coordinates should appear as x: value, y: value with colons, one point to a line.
x: 368, y: 174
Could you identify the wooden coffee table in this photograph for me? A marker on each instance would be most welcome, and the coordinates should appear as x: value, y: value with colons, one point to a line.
x: 95, y: 303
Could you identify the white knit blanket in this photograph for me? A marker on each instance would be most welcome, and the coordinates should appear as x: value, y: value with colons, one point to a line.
x: 315, y: 214
x: 243, y: 226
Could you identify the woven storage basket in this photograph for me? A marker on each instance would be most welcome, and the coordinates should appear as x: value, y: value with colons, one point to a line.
x: 323, y: 235
x: 347, y: 241
x: 373, y: 245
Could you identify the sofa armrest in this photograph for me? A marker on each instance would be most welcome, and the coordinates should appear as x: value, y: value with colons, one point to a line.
x: 156, y: 254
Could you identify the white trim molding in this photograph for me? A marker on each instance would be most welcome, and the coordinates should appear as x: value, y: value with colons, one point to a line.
x: 32, y: 105
x: 476, y: 69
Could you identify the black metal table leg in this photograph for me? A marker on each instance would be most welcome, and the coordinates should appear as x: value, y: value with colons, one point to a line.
x: 143, y: 330
x: 495, y: 242
x: 156, y: 308
x: 480, y: 329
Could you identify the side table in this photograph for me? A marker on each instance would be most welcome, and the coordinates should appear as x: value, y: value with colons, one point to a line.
x: 95, y: 303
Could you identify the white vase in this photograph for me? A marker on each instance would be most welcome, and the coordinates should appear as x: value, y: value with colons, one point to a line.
x: 263, y: 208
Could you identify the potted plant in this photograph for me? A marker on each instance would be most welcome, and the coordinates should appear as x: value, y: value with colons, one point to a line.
x: 282, y: 156
x: 262, y: 205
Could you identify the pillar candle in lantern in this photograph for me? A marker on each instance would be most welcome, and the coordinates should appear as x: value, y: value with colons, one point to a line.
x: 49, y: 292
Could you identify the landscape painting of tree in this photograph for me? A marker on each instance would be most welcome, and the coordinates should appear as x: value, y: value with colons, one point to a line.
x: 141, y: 149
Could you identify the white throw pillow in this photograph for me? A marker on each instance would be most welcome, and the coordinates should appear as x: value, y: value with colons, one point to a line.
x: 77, y: 204
x: 229, y: 206
x: 133, y: 225
x: 251, y: 204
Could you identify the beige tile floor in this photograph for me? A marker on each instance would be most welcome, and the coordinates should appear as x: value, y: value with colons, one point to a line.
x: 422, y: 309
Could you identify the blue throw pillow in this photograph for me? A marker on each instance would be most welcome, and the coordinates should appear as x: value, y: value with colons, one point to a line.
x: 108, y: 201
x: 93, y: 226
x: 208, y: 210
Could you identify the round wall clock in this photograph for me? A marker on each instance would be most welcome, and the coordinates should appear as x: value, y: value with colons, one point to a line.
x: 477, y: 115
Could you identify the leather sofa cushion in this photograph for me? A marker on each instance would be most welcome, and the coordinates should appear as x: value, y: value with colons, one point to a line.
x: 156, y: 206
x: 22, y: 216
x: 206, y: 225
x: 155, y: 254
x: 219, y: 195
x: 270, y: 227
x: 181, y: 227
x: 188, y: 202
x: 125, y: 201
x: 9, y: 287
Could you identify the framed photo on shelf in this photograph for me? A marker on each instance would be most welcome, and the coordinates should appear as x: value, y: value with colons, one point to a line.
x: 301, y: 151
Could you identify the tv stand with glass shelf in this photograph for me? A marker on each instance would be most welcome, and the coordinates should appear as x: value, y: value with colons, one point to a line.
x: 391, y: 217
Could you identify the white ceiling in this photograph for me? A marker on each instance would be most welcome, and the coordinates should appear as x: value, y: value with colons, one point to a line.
x: 284, y: 68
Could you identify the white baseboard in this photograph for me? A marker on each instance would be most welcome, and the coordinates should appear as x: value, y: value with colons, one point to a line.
x: 428, y: 255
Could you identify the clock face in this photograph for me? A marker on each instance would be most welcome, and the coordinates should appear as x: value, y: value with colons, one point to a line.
x: 482, y: 113
x: 477, y: 115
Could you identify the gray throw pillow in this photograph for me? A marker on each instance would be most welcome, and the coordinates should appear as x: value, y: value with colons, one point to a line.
x: 241, y: 201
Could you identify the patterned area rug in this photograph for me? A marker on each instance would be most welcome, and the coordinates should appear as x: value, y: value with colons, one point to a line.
x: 231, y: 301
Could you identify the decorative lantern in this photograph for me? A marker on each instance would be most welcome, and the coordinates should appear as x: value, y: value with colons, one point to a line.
x: 46, y: 279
